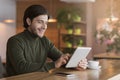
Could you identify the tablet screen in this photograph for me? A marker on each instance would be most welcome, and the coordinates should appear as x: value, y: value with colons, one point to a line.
x: 79, y: 53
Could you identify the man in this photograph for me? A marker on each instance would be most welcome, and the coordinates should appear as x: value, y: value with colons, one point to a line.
x: 28, y: 50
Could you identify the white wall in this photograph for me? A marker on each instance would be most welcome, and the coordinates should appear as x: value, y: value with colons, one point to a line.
x: 7, y: 10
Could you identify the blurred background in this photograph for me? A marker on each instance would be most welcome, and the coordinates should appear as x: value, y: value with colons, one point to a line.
x: 91, y: 23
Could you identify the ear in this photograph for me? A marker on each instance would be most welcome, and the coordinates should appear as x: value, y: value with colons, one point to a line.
x: 28, y: 21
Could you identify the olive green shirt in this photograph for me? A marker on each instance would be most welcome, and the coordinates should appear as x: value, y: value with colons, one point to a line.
x: 27, y: 52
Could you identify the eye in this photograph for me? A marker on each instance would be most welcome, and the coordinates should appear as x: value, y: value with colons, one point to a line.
x: 41, y: 22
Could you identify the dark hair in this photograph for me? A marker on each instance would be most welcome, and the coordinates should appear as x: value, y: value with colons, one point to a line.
x: 32, y: 12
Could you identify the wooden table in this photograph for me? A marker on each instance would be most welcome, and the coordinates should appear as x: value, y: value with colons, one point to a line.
x: 109, y: 69
x: 107, y: 56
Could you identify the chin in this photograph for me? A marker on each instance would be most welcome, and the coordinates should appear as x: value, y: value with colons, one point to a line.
x: 40, y: 36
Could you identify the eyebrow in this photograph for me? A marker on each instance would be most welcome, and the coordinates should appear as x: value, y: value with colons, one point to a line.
x: 43, y: 21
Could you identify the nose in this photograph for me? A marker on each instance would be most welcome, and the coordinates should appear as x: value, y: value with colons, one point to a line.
x: 44, y: 26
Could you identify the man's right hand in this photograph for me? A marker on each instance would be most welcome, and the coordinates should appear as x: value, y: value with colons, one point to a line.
x: 62, y: 60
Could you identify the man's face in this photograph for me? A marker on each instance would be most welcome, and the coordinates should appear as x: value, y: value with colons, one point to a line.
x: 38, y: 25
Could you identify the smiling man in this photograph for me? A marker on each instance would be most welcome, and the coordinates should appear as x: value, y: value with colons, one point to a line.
x: 28, y: 50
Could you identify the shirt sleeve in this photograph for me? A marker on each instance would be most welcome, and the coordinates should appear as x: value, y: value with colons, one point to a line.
x: 54, y: 53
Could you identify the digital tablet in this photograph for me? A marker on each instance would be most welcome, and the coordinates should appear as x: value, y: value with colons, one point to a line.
x: 79, y: 53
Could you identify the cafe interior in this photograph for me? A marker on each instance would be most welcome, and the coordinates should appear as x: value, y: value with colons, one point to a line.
x: 72, y: 24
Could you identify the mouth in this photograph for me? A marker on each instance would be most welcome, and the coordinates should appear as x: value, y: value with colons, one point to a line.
x: 41, y: 31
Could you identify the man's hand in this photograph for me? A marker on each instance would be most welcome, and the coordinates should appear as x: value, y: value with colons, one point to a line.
x: 62, y: 60
x: 82, y: 64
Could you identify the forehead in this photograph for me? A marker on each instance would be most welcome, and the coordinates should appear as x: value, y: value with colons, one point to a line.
x: 42, y: 17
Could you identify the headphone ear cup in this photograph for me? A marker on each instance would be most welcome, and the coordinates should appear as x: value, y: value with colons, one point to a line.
x: 28, y: 21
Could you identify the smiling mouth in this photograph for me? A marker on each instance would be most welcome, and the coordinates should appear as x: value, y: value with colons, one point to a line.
x: 41, y: 30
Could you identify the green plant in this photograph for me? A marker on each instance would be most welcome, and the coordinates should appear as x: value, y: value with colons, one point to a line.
x: 66, y: 16
x: 68, y: 39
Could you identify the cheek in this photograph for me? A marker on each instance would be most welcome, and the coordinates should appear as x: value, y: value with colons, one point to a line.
x: 35, y: 26
x: 32, y: 28
x: 38, y: 25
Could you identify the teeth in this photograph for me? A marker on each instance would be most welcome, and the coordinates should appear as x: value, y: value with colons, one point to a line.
x: 41, y: 31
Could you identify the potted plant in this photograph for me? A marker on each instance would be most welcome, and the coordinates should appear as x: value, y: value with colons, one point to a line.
x: 66, y: 17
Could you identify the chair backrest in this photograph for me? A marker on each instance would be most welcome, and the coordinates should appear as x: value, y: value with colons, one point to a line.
x: 2, y: 69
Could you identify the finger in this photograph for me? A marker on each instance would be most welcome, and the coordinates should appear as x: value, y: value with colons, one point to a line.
x: 83, y: 63
x: 83, y: 66
x: 84, y: 60
x: 66, y: 56
x: 64, y: 61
